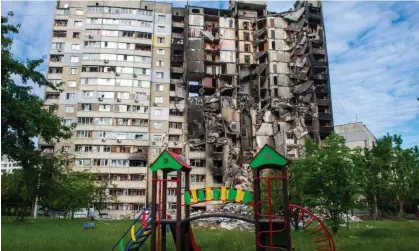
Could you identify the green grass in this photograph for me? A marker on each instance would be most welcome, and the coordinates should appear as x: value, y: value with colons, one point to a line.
x: 68, y: 235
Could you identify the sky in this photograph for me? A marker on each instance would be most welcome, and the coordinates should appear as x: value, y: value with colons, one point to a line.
x: 373, y: 50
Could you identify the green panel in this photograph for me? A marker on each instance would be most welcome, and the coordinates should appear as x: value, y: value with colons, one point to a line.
x: 201, y: 195
x: 216, y: 193
x: 268, y: 156
x: 248, y: 197
x: 187, y: 198
x: 121, y: 245
x: 165, y: 161
x: 232, y: 193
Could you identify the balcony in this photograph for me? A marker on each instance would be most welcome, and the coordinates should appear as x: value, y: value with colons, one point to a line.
x: 178, y: 24
x: 174, y: 81
x: 177, y: 58
x: 175, y: 144
x: 178, y: 119
x: 175, y: 131
x: 321, y: 89
x: 323, y: 102
x: 326, y: 129
x: 197, y: 155
x: 325, y: 116
x: 131, y: 198
x: 130, y: 184
x: 177, y: 69
x: 320, y: 76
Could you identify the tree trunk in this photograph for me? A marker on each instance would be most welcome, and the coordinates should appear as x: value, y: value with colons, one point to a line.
x: 375, y: 207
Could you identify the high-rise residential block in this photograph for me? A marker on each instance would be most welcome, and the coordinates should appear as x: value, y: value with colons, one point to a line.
x: 214, y: 85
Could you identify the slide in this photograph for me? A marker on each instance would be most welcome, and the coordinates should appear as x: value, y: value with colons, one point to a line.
x: 136, y: 234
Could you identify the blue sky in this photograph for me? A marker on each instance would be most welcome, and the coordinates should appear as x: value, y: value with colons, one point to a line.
x: 373, y: 54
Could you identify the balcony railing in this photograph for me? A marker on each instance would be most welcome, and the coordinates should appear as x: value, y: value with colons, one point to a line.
x: 177, y: 69
x: 178, y: 24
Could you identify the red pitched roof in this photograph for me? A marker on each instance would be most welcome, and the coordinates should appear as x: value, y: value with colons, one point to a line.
x: 179, y: 159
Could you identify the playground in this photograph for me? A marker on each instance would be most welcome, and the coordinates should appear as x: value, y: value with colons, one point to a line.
x: 68, y: 235
x: 154, y: 230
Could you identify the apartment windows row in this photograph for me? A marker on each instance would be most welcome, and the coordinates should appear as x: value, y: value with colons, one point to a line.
x: 112, y: 108
x: 111, y: 135
x: 128, y: 22
x: 123, y: 177
x: 117, y: 82
x: 118, y: 33
x: 129, y: 192
x: 112, y: 121
x: 197, y: 163
x: 110, y: 162
x: 116, y: 57
x: 175, y: 112
x: 138, y: 96
x: 118, y: 69
x: 117, y: 10
x: 175, y: 125
x: 115, y: 45
x: 108, y: 149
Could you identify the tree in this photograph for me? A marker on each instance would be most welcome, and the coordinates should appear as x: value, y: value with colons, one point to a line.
x: 22, y: 114
x: 326, y: 177
x: 14, y: 193
x: 101, y: 195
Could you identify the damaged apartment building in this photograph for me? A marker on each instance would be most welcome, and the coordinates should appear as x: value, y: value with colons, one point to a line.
x: 213, y: 85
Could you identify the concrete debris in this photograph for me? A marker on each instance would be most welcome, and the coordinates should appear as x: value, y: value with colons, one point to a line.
x: 294, y: 16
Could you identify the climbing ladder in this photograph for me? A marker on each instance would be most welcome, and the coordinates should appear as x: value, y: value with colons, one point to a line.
x: 135, y: 238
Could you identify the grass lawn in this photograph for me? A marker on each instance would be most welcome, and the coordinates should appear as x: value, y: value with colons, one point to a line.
x: 65, y: 235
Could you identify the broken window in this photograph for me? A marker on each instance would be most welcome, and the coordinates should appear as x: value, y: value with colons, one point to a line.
x: 275, y: 80
x: 273, y: 45
x: 246, y: 25
x: 218, y: 178
x: 197, y: 163
x: 247, y: 47
x: 197, y: 178
x: 247, y: 59
x: 246, y: 36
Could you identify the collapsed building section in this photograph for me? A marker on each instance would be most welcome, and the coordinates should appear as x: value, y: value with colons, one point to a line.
x: 254, y: 78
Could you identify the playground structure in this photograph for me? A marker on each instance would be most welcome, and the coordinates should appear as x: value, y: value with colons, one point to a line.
x: 272, y: 229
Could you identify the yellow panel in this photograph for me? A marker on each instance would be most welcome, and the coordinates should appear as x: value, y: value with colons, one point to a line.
x: 223, y: 193
x: 240, y: 195
x: 208, y: 192
x: 194, y: 198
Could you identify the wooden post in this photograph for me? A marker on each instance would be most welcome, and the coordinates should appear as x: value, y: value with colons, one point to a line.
x: 153, y: 211
x: 179, y: 212
x: 286, y: 205
x: 256, y: 204
x: 164, y: 211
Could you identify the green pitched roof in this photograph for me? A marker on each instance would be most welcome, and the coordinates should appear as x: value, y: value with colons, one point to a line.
x: 170, y: 161
x: 267, y: 156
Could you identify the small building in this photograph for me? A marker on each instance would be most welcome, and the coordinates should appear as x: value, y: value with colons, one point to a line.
x: 356, y: 135
x: 8, y: 165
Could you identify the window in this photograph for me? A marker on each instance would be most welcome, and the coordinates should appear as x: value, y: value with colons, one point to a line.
x: 75, y: 47
x: 272, y: 22
x: 70, y: 95
x: 197, y: 162
x: 78, y: 23
x: 123, y: 95
x: 159, y: 87
x: 246, y: 25
x: 104, y: 108
x: 73, y: 71
x: 84, y: 134
x: 71, y: 83
x: 57, y: 46
x: 230, y: 23
x: 161, y: 28
x: 156, y: 151
x: 86, y: 107
x: 105, y: 149
x: 123, y: 108
x: 141, y: 96
x: 85, y: 120
x: 272, y: 33
x: 76, y: 34
x: 247, y: 36
x: 100, y: 162
x: 69, y: 109
x: 159, y: 63
x: 74, y: 59
x: 65, y: 149
x: 161, y: 18
x: 120, y: 162
x: 88, y: 94
x: 157, y: 125
x: 247, y: 59
x: 82, y: 162
x: 158, y: 100
x: 160, y: 52
x: 273, y: 45
x: 197, y: 178
x: 103, y: 121
x: 175, y: 125
x: 247, y: 47
x: 79, y: 12
x: 67, y: 122
x: 160, y: 40
x: 159, y: 75
x: 158, y: 112
x: 56, y: 70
